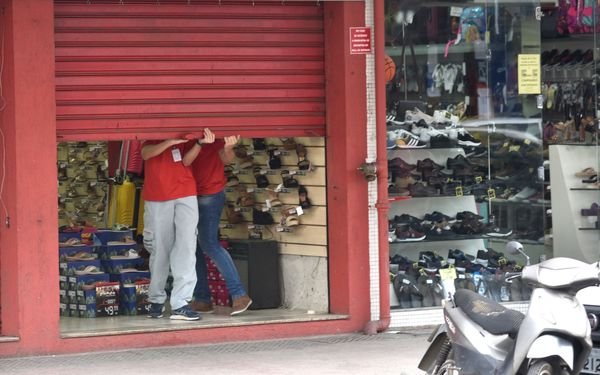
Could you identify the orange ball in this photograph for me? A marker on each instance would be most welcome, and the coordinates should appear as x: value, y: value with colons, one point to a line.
x: 390, y: 68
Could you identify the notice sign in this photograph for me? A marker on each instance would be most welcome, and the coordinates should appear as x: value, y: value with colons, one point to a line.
x: 360, y: 40
x: 529, y: 74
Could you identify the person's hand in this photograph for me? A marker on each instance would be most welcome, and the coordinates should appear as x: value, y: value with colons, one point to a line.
x: 231, y: 141
x: 209, y: 137
x: 174, y: 142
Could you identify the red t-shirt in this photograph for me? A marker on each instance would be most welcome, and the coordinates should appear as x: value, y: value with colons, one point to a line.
x: 208, y: 168
x: 166, y: 179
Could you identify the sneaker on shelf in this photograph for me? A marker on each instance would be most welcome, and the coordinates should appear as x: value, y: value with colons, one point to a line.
x: 405, y: 139
x: 523, y: 194
x: 156, y: 310
x: 185, y: 313
x: 240, y: 304
x: 493, y: 231
x: 441, y: 141
x: 417, y: 115
x: 202, y: 307
x: 407, y: 234
x: 391, y: 140
x: 466, y: 139
x: 468, y: 215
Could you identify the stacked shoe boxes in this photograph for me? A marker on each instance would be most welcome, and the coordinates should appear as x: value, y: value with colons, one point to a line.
x: 119, y: 259
x: 219, y: 294
x: 134, y: 295
x: 101, y: 299
x: 78, y: 268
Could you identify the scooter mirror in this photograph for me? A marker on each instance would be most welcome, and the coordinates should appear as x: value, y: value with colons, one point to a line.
x: 514, y: 248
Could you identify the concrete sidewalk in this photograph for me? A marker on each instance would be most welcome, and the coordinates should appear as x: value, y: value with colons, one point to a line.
x: 394, y: 352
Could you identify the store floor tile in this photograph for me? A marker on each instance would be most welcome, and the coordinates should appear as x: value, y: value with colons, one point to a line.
x: 85, y: 327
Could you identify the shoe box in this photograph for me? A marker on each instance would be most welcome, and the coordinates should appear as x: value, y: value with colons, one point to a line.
x: 134, y: 297
x: 104, y: 236
x: 68, y: 268
x: 114, y: 266
x: 101, y: 301
x: 106, y: 251
x: 69, y: 251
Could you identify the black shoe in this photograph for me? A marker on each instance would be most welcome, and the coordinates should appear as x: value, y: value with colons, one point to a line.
x: 466, y: 139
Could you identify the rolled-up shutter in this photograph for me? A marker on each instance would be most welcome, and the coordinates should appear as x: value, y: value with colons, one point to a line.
x: 149, y: 69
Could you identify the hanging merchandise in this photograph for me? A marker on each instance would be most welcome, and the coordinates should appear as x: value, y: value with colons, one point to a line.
x: 123, y: 210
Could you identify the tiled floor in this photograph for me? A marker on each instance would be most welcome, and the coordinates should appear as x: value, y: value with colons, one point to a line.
x: 81, y: 327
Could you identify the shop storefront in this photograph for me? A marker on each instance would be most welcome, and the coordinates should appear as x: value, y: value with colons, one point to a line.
x: 492, y: 137
x: 83, y: 74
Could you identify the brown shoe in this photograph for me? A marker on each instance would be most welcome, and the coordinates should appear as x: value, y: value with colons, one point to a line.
x: 202, y: 307
x: 240, y: 304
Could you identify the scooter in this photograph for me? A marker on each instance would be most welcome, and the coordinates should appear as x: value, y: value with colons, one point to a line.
x: 481, y: 337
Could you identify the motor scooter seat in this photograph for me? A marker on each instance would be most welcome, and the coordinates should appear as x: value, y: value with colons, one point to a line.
x: 490, y: 315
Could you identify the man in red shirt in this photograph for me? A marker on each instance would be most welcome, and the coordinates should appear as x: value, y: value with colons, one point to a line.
x: 209, y: 171
x: 170, y: 219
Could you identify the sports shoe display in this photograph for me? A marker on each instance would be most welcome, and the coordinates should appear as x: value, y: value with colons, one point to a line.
x: 466, y: 139
x: 405, y: 139
x: 185, y: 313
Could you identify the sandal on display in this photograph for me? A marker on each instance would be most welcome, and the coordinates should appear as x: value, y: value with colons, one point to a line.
x: 261, y: 179
x: 288, y: 143
x: 305, y: 202
x: 274, y: 159
x: 246, y: 162
x: 233, y: 216
x: 587, y: 172
x: 273, y: 198
x: 258, y: 144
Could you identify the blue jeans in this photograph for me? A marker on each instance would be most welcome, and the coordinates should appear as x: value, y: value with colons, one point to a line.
x: 210, y: 208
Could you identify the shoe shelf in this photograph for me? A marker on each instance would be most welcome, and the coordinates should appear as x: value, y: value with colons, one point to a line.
x: 522, y: 202
x: 396, y: 198
x: 454, y: 237
x: 585, y: 189
x: 589, y: 228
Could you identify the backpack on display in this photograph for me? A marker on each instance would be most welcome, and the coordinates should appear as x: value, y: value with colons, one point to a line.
x: 588, y: 15
x: 472, y: 24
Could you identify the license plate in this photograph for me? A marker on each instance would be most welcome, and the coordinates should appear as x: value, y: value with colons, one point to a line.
x: 592, y: 365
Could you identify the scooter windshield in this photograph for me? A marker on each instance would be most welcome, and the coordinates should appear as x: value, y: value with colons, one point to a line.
x: 562, y: 273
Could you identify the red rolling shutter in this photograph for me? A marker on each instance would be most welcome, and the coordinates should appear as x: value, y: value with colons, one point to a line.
x: 150, y: 69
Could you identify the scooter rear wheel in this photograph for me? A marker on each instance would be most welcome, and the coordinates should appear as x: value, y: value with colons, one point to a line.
x: 543, y: 367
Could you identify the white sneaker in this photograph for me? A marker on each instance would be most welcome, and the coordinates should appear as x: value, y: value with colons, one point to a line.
x: 406, y: 139
x: 523, y: 194
x: 417, y: 115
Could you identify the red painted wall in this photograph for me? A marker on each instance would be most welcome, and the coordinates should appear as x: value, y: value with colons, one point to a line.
x: 28, y: 248
x: 29, y: 262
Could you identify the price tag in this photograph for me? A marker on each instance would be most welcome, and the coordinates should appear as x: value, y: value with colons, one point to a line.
x: 406, y: 281
x: 456, y: 11
x: 276, y: 152
x: 448, y: 273
x: 459, y: 191
x: 251, y: 226
x: 299, y: 211
x: 292, y: 172
x: 478, y: 179
x: 265, y: 209
x: 515, y: 148
x: 250, y: 190
x: 461, y: 276
x: 491, y: 193
x: 429, y: 281
x: 237, y: 209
